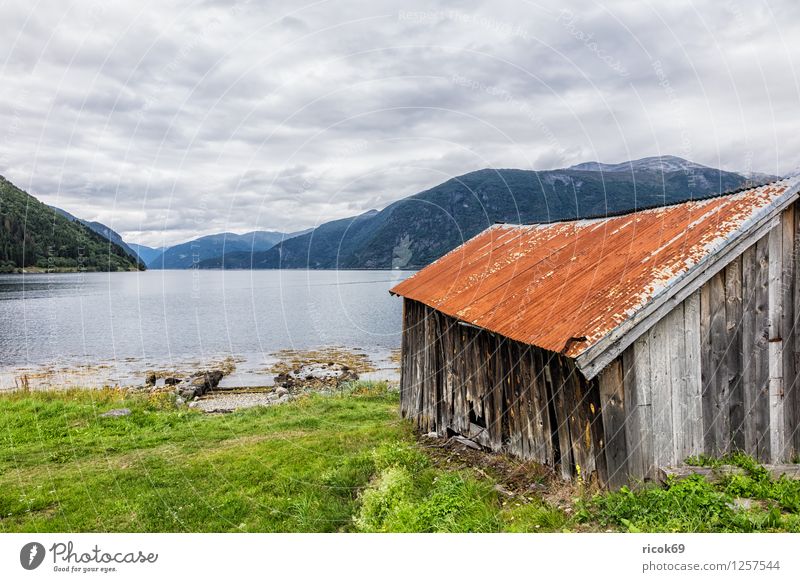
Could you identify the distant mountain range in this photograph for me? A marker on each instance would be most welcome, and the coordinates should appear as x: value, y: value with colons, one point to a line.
x: 188, y: 254
x: 145, y: 253
x: 36, y: 237
x: 417, y: 230
x: 213, y: 247
x: 407, y: 234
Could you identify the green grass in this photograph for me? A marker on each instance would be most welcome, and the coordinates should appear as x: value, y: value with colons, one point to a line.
x: 321, y: 463
x: 688, y: 505
x: 696, y: 505
x: 408, y: 495
x: 62, y: 468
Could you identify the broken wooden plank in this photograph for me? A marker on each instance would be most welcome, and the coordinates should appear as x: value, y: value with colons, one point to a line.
x: 612, y: 406
x: 542, y: 433
x: 579, y: 423
x: 557, y: 391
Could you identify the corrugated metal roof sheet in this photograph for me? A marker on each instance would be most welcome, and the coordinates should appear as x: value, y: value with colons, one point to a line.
x: 547, y: 284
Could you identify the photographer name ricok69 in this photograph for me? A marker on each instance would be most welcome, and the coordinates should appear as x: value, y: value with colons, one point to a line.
x: 665, y: 549
x: 66, y: 553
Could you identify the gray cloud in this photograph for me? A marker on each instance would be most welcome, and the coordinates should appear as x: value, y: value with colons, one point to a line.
x: 176, y: 120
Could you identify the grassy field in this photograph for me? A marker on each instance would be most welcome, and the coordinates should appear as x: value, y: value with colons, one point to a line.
x: 318, y: 464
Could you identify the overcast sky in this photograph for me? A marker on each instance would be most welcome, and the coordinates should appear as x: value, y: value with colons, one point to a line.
x: 167, y: 120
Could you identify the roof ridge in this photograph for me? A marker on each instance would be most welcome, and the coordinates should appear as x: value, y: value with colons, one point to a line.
x: 712, y: 196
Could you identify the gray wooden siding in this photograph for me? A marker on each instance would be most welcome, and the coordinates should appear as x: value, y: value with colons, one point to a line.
x: 720, y: 368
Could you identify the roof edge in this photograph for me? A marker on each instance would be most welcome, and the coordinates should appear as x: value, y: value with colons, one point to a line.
x: 570, y: 220
x: 444, y: 256
x: 597, y: 356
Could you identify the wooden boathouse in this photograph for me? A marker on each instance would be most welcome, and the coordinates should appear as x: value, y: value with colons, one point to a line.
x: 619, y: 345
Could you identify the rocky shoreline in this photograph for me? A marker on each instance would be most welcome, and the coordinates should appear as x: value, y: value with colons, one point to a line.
x: 323, y: 371
x: 245, y: 370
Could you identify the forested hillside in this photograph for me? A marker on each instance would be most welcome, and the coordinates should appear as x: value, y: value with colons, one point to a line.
x: 34, y: 236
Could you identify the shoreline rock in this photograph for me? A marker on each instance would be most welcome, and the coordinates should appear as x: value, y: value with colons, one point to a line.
x: 199, y: 384
x: 319, y: 372
x: 315, y: 376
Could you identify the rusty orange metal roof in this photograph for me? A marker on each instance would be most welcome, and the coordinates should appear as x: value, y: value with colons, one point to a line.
x: 547, y: 284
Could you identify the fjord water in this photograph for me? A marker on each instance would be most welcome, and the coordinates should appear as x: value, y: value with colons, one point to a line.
x: 162, y: 317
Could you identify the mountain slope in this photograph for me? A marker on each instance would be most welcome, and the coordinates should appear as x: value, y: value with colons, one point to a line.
x: 214, y: 246
x: 33, y: 235
x: 417, y: 230
x: 101, y: 229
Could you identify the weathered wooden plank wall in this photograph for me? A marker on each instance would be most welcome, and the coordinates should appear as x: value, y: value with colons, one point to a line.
x: 664, y: 406
x: 505, y: 395
x: 718, y: 373
x: 731, y: 355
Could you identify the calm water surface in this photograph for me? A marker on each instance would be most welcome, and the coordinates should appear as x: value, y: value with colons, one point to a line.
x: 127, y: 321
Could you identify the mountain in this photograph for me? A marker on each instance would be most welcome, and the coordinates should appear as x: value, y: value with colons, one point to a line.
x: 667, y: 164
x: 111, y: 235
x: 214, y: 246
x: 322, y: 242
x: 417, y: 230
x: 654, y: 163
x: 101, y: 229
x: 145, y: 253
x: 35, y: 236
x: 760, y: 177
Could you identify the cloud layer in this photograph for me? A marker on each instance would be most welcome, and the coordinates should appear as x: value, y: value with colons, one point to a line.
x: 166, y: 120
